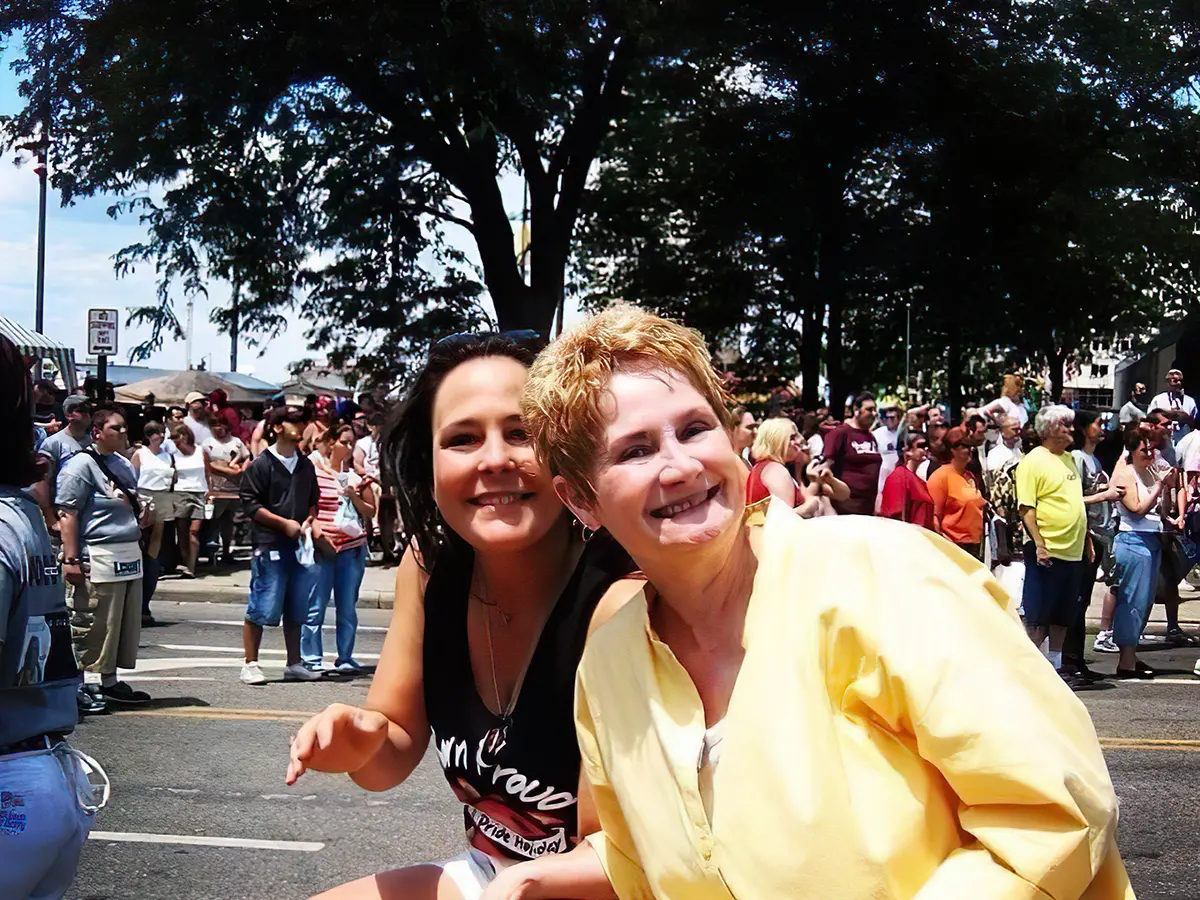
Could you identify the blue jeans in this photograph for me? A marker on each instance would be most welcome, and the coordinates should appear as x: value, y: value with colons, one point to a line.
x: 1138, y: 555
x: 339, y: 578
x: 43, y: 827
x: 279, y: 587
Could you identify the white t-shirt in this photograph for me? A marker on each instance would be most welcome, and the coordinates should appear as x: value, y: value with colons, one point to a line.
x: 200, y: 431
x: 289, y: 462
x: 1166, y: 400
x: 1188, y: 452
x: 370, y: 451
x: 1013, y: 410
x: 887, y: 441
x: 1000, y: 454
x: 155, y: 470
x: 190, y: 477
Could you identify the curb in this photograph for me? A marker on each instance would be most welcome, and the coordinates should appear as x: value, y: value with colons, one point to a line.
x: 198, y: 592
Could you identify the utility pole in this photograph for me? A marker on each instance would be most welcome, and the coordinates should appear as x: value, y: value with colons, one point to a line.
x: 233, y: 326
x: 907, y: 350
x: 187, y: 351
x: 42, y: 171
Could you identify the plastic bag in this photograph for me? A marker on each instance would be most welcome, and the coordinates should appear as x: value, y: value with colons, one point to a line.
x: 304, y: 553
x: 346, y: 518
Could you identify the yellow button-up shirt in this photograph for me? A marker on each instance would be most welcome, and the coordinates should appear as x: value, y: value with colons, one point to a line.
x: 892, y: 734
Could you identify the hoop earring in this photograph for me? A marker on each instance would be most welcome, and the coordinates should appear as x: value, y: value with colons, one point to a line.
x: 588, y: 533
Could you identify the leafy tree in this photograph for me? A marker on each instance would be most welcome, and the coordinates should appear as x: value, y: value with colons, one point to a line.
x: 434, y: 101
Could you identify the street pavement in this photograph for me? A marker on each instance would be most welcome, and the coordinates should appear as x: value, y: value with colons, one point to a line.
x: 202, y: 769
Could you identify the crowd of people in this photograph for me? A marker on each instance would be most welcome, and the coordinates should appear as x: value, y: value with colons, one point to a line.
x: 121, y: 480
x: 658, y: 647
x: 1051, y: 499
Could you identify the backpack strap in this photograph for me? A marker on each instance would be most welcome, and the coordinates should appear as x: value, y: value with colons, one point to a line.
x: 131, y: 496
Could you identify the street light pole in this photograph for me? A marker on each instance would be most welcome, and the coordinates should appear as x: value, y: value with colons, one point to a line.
x: 907, y: 350
x: 39, y: 309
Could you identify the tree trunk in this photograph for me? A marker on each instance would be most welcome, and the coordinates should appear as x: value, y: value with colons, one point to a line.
x: 954, y: 365
x: 813, y: 323
x: 1056, y: 374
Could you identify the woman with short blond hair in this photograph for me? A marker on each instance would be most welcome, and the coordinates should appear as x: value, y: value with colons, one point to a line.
x: 840, y: 707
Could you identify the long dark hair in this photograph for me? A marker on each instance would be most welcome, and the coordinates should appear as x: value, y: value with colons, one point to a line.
x: 1083, y: 419
x: 406, y: 451
x: 20, y: 465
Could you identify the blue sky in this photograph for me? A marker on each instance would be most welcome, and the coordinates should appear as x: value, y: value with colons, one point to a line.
x: 80, y: 243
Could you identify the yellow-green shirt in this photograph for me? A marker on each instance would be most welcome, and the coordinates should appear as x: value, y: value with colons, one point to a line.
x: 1050, y: 483
x: 892, y: 734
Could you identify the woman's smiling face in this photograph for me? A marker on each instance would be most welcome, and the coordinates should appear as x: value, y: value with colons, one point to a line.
x: 486, y: 478
x: 666, y: 475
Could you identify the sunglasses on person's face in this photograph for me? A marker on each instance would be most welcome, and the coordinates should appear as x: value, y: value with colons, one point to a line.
x: 920, y: 445
x: 526, y: 337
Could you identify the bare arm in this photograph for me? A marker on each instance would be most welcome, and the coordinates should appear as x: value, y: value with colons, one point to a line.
x: 360, y: 460
x: 1130, y: 501
x: 363, y: 499
x: 775, y: 478
x: 832, y: 486
x: 398, y: 689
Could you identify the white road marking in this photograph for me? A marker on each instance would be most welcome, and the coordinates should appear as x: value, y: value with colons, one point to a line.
x: 1192, y: 681
x: 212, y: 648
x: 201, y: 840
x: 238, y: 623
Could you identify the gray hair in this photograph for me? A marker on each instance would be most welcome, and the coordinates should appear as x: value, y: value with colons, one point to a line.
x: 1049, y: 416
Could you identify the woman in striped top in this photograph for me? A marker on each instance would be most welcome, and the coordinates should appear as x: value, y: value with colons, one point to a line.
x: 346, y: 502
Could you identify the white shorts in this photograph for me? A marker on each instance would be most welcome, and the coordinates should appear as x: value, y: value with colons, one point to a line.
x: 471, y: 872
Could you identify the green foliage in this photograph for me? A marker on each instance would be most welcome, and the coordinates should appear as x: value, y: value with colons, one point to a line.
x: 799, y: 181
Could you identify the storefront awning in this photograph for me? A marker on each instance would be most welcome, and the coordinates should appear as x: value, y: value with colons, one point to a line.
x: 38, y: 346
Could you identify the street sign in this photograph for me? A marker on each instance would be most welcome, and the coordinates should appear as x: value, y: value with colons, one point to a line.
x: 102, y: 332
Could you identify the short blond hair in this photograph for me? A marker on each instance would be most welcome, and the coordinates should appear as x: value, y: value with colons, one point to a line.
x: 772, y: 439
x: 568, y: 381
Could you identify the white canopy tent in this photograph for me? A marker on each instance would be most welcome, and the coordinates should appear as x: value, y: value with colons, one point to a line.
x: 38, y: 347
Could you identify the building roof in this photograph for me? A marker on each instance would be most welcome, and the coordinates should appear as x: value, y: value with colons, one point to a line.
x: 122, y: 375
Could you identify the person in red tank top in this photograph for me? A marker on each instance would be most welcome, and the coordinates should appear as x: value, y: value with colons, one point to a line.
x: 905, y: 496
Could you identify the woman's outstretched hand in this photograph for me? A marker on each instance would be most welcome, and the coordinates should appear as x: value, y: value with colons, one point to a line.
x: 340, y: 739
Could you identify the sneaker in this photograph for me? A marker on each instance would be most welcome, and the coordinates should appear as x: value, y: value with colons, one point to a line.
x: 89, y: 704
x: 349, y: 667
x: 123, y: 695
x: 148, y: 621
x: 300, y: 672
x: 252, y: 674
x: 1104, y: 643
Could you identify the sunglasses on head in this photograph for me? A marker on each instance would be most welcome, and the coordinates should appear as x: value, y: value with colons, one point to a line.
x: 525, y: 337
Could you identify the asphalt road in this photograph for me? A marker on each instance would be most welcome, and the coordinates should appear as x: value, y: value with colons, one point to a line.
x: 208, y: 760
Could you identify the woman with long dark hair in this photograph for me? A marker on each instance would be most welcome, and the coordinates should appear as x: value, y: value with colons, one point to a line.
x: 494, y: 599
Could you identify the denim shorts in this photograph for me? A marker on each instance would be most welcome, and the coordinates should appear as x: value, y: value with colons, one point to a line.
x: 280, y: 588
x: 1050, y: 593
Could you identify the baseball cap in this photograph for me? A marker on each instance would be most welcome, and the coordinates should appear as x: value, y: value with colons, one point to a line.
x: 75, y: 401
x: 193, y: 396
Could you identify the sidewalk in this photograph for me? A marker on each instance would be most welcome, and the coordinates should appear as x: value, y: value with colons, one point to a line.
x: 232, y: 585
x: 378, y: 592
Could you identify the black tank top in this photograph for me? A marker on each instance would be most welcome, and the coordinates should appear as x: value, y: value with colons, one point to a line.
x: 519, y: 798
